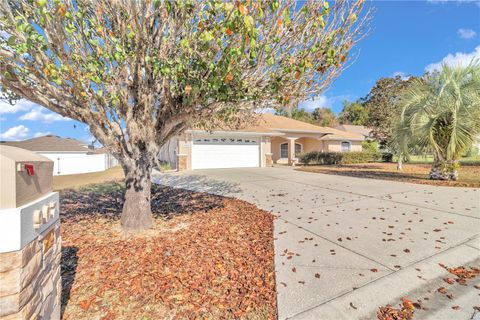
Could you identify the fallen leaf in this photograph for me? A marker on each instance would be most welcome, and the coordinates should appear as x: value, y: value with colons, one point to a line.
x: 407, y: 304
x: 84, y: 304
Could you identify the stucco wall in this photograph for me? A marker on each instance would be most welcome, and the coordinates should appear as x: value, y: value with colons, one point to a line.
x: 265, y: 148
x: 336, y: 145
x: 275, y: 145
x: 308, y: 145
x: 185, y: 148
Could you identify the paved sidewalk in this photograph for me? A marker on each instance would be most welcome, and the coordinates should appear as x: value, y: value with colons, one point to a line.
x: 345, y: 246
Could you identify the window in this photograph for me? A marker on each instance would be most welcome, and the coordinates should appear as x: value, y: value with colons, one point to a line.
x: 284, y: 150
x: 345, y: 146
x: 298, y: 149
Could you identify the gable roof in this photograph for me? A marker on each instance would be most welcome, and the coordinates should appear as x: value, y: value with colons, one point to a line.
x: 280, y: 123
x: 49, y: 143
x: 272, y: 124
x: 355, y: 129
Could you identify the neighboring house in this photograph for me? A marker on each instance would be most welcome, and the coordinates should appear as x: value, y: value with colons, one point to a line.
x: 272, y: 139
x: 69, y: 156
x: 364, y: 131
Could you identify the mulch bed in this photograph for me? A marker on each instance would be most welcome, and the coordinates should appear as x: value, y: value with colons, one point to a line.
x: 412, y: 173
x: 208, y: 257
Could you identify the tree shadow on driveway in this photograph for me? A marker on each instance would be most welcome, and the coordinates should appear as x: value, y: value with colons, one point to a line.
x: 198, y: 183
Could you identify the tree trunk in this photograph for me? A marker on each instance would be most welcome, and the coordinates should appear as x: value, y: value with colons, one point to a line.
x: 444, y: 170
x: 400, y: 164
x: 137, y: 213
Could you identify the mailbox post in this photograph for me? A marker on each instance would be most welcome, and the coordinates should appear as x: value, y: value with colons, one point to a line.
x: 30, y: 244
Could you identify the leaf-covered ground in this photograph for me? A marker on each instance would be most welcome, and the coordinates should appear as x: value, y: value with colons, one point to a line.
x: 406, y: 311
x: 208, y: 257
x: 469, y: 174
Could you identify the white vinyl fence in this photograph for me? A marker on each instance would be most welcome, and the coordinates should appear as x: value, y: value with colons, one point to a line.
x: 80, y: 163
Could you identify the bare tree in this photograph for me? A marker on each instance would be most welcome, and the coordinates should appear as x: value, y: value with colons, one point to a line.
x: 140, y: 72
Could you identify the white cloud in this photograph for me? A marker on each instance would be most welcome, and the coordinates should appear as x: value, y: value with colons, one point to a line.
x: 38, y: 114
x: 457, y: 59
x: 402, y: 75
x: 15, y: 133
x: 466, y: 33
x: 477, y: 2
x: 41, y: 134
x: 322, y: 101
x: 20, y: 106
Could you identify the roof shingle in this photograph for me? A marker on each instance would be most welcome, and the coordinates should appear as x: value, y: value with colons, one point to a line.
x: 49, y: 143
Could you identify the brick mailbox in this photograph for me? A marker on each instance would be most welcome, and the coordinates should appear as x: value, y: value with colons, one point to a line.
x: 30, y: 244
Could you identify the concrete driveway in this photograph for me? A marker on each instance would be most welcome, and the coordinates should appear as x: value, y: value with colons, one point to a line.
x: 346, y: 246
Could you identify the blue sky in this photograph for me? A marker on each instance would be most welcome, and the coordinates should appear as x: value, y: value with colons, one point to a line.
x: 406, y: 37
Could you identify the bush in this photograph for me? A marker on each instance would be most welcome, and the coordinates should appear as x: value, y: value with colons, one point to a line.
x: 471, y: 152
x: 370, y: 146
x: 317, y: 157
x: 387, y: 157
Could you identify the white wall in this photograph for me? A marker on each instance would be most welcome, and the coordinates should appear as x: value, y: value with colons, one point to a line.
x: 77, y: 162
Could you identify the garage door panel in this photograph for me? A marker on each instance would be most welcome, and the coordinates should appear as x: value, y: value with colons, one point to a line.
x: 225, y: 153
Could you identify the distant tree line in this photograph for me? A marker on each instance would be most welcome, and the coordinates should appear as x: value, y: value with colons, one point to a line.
x: 437, y: 113
x: 377, y: 110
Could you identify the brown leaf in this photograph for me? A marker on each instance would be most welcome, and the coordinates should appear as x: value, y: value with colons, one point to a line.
x: 84, y: 304
x: 442, y: 290
x: 407, y: 304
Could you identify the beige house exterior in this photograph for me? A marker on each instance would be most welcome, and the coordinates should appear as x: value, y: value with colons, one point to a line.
x: 270, y: 140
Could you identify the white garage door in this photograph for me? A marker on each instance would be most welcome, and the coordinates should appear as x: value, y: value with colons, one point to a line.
x: 225, y: 152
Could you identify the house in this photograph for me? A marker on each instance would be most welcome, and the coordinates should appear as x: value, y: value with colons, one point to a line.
x: 70, y: 156
x: 271, y: 139
x: 366, y: 132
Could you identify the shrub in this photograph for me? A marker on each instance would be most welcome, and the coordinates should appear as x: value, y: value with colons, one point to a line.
x: 370, y: 146
x: 387, y: 157
x: 471, y: 152
x: 317, y: 157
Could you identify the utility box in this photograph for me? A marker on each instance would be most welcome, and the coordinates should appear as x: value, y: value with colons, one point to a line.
x: 30, y: 243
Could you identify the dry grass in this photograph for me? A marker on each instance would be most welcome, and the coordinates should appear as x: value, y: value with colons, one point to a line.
x: 414, y: 173
x: 76, y: 181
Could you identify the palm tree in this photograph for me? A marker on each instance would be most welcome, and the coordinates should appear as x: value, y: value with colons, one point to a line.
x: 441, y: 112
